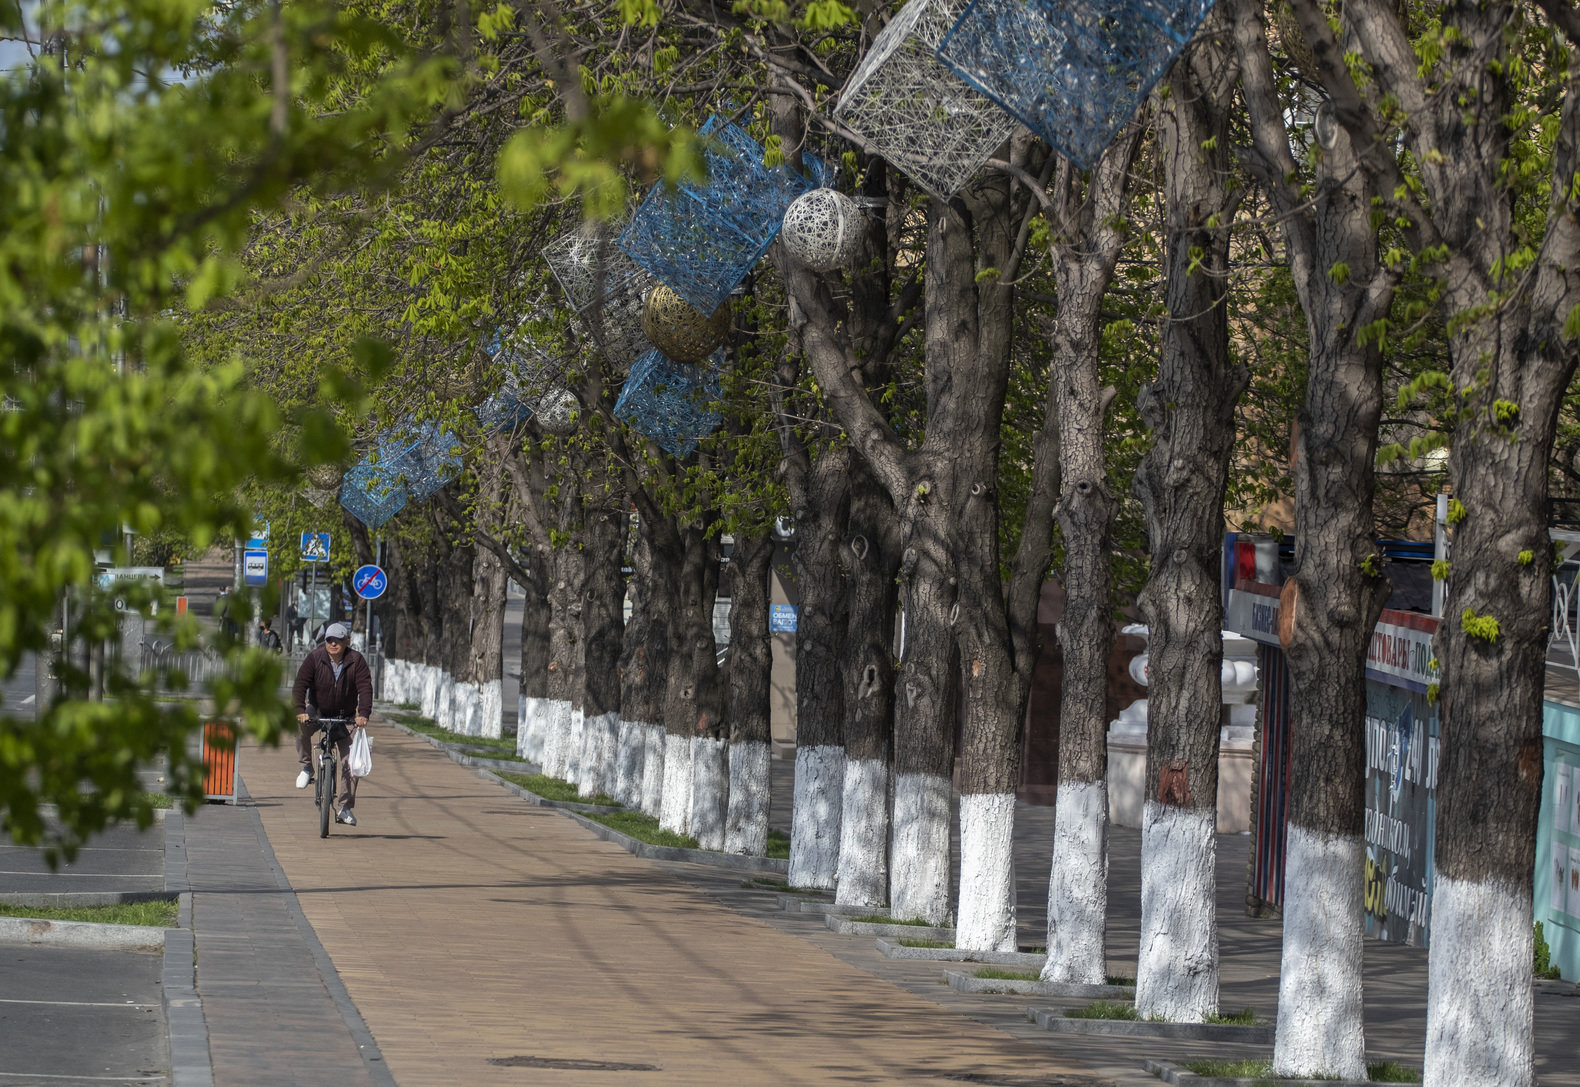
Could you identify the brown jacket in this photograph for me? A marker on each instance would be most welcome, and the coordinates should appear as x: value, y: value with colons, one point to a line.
x: 351, y: 695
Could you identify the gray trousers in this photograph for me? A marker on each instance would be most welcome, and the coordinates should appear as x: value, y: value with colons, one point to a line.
x: 347, y: 791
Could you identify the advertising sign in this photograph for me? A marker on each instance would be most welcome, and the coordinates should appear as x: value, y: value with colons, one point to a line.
x: 782, y: 618
x: 1402, y: 753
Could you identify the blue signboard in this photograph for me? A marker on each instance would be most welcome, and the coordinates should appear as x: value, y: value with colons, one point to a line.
x: 255, y: 568
x: 781, y: 618
x: 369, y: 582
x: 315, y: 547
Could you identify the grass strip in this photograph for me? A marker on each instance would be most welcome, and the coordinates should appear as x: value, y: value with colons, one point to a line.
x: 778, y: 845
x: 998, y: 973
x: 156, y: 913
x: 1103, y: 1009
x: 1242, y: 1018
x: 644, y: 828
x: 879, y: 919
x: 427, y: 727
x: 557, y: 789
x: 1262, y: 1071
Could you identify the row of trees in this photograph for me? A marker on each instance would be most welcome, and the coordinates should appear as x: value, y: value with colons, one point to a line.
x: 1050, y: 370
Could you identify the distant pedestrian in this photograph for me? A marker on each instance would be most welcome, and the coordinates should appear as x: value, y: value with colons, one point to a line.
x: 266, y: 635
x: 295, y: 621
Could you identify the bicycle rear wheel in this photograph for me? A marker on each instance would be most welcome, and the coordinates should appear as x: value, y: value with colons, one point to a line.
x: 326, y: 795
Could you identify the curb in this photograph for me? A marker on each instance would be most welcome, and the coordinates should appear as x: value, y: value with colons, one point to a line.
x: 894, y: 950
x: 1174, y: 1074
x: 938, y: 934
x: 970, y: 983
x: 35, y: 932
x: 827, y: 906
x: 1055, y: 1020
x: 185, y: 1027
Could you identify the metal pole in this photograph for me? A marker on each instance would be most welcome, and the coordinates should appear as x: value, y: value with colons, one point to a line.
x: 1440, y: 552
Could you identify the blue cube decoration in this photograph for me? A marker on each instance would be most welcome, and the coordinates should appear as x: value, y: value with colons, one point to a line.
x: 1075, y: 71
x: 701, y: 239
x: 528, y: 372
x: 372, y: 492
x: 669, y: 401
x: 605, y: 288
x: 431, y: 459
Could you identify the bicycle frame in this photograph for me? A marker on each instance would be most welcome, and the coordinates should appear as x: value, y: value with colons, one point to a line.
x: 327, y: 777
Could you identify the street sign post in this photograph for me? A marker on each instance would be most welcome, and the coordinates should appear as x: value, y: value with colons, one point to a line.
x: 315, y: 547
x: 255, y: 568
x: 369, y: 582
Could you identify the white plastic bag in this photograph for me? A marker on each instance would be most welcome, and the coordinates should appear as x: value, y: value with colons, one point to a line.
x: 360, y: 761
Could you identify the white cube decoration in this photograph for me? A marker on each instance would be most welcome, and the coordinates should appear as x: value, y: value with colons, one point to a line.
x: 910, y: 108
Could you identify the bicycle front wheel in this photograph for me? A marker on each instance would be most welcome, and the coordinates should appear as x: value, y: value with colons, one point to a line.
x: 326, y: 802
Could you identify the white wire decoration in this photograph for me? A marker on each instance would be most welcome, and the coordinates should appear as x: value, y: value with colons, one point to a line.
x: 556, y: 411
x: 915, y: 112
x: 605, y: 288
x: 676, y: 328
x: 822, y: 230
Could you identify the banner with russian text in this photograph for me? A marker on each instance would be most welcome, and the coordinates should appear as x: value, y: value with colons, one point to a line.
x: 1402, y: 750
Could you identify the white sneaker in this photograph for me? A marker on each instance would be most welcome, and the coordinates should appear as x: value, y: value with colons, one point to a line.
x: 303, y: 780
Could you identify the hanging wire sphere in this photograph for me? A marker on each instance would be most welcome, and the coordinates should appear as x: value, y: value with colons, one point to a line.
x: 822, y: 229
x: 680, y: 331
x: 326, y: 477
x: 557, y: 411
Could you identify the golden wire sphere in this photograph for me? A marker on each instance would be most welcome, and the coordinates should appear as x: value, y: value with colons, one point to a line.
x: 681, y: 332
x: 326, y: 477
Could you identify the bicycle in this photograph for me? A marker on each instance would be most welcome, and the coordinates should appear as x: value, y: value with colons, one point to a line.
x: 327, y: 777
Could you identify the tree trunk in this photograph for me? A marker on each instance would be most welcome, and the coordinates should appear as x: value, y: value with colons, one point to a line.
x: 872, y: 555
x: 750, y: 669
x: 603, y: 619
x: 645, y: 671
x: 820, y: 632
x: 1181, y: 484
x: 534, y: 668
x: 1332, y: 601
x: 482, y: 714
x: 1083, y: 268
x: 969, y: 320
x: 559, y: 744
x: 688, y: 694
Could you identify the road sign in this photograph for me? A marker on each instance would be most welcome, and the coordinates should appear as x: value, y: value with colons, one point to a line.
x: 315, y: 547
x: 259, y: 540
x: 255, y: 567
x: 369, y: 582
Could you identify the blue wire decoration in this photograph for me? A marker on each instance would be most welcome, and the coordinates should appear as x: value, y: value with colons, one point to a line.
x: 432, y: 458
x: 914, y: 111
x: 606, y: 290
x: 672, y: 403
x: 373, y: 490
x: 701, y: 239
x: 529, y: 372
x: 1074, y: 71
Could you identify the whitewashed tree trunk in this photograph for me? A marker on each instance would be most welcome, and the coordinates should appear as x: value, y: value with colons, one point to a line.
x: 1078, y: 885
x: 575, y: 749
x: 987, y: 873
x: 491, y: 709
x: 710, y: 783
x: 1324, y: 908
x: 653, y: 745
x: 919, y: 850
x: 675, y: 811
x: 430, y: 691
x: 556, y: 739
x: 1177, y: 973
x: 746, y: 822
x: 815, y: 816
x: 463, y: 709
x: 597, y: 756
x: 609, y: 781
x: 1480, y: 1007
x: 630, y: 737
x: 864, y: 835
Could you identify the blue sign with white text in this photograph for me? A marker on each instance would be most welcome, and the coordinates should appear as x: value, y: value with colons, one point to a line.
x: 781, y: 618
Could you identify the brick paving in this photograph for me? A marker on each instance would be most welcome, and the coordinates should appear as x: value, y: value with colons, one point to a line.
x: 485, y: 941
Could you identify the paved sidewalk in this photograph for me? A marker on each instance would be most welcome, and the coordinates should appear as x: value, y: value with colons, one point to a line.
x: 459, y: 935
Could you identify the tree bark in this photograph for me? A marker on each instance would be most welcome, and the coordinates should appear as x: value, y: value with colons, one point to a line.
x: 1333, y: 599
x: 820, y: 517
x: 749, y: 670
x: 603, y: 618
x: 1181, y: 484
x: 872, y: 556
x: 1084, y: 262
x: 644, y: 672
x: 1511, y: 362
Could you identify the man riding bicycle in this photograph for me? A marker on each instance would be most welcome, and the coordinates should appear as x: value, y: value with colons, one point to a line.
x: 333, y: 679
